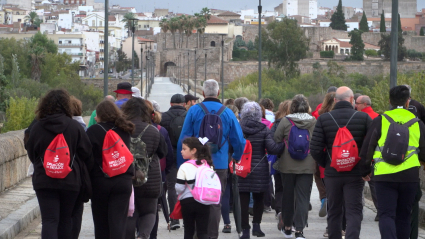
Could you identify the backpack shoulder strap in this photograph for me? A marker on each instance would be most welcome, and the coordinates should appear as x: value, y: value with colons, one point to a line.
x: 389, y: 118
x: 411, y: 122
x: 143, y: 132
x: 171, y: 114
x: 221, y: 110
x: 102, y: 127
x: 204, y: 108
x: 292, y: 122
x: 334, y: 119
x: 350, y: 119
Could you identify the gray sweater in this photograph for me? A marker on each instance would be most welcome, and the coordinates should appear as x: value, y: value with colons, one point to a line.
x: 286, y: 164
x: 185, y: 177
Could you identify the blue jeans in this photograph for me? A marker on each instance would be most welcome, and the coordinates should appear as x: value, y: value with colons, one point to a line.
x: 395, y: 201
x: 225, y: 201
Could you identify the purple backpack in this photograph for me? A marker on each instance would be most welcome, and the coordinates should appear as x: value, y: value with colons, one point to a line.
x: 298, y: 143
x: 212, y: 128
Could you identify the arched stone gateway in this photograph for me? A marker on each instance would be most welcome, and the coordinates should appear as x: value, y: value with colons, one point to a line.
x: 166, y: 65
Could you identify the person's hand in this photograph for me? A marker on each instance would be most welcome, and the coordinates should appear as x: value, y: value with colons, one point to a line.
x: 367, y: 178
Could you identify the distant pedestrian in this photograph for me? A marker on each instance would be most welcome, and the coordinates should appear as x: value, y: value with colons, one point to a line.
x: 415, y: 107
x: 296, y: 173
x: 231, y: 134
x: 257, y: 182
x: 111, y: 195
x: 77, y: 112
x: 194, y: 212
x: 269, y: 106
x: 173, y: 121
x: 229, y: 102
x: 57, y: 196
x: 92, y: 121
x: 190, y: 100
x: 348, y: 182
x: 396, y: 173
x: 136, y: 92
x: 239, y: 102
x: 315, y: 113
x: 124, y: 93
x: 146, y: 196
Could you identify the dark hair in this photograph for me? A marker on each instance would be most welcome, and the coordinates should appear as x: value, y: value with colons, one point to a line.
x: 54, y: 102
x: 229, y: 102
x: 267, y: 104
x: 107, y: 111
x: 76, y: 106
x: 399, y: 95
x: 263, y: 112
x: 328, y: 103
x: 202, y: 151
x: 239, y: 102
x: 299, y: 104
x: 136, y: 108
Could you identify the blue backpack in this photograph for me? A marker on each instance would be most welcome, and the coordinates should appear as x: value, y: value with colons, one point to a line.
x: 212, y: 128
x: 298, y: 143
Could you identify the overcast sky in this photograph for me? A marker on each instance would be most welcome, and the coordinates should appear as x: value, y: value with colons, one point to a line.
x: 193, y: 6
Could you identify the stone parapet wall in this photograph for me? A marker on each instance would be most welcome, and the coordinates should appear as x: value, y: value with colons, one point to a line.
x: 14, y: 160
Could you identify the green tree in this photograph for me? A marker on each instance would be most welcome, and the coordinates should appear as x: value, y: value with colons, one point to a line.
x: 370, y: 52
x: 164, y: 27
x: 250, y: 46
x: 421, y: 32
x: 385, y: 46
x: 37, y: 22
x: 181, y: 27
x: 357, y: 45
x: 41, y: 40
x: 37, y: 54
x: 123, y: 62
x: 382, y: 27
x: 128, y: 22
x: 200, y: 25
x: 364, y: 27
x: 31, y: 17
x: 15, y: 77
x: 174, y: 26
x: 188, y: 27
x: 284, y: 43
x: 136, y: 60
x: 400, y: 30
x: 3, y: 84
x: 338, y: 18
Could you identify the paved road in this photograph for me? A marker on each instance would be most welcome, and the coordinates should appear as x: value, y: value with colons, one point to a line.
x: 162, y: 90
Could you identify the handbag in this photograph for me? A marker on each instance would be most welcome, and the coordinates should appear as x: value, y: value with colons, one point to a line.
x: 177, y: 212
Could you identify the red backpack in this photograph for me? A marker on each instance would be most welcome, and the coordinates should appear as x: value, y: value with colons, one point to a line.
x: 57, y: 158
x: 243, y: 168
x: 116, y: 157
x: 345, y: 153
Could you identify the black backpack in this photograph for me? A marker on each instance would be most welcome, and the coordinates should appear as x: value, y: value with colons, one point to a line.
x: 395, y: 149
x: 176, y: 126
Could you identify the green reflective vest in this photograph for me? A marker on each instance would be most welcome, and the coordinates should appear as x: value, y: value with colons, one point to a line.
x: 403, y: 116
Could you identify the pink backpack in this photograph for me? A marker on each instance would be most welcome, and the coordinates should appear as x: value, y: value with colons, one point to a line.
x: 207, y: 189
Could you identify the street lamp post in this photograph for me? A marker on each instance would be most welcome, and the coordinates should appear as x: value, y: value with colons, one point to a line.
x: 195, y: 72
x: 106, y: 51
x: 132, y: 48
x: 221, y: 75
x: 205, y: 77
x: 141, y: 66
x: 259, y: 49
x: 394, y: 44
x: 147, y: 72
x: 188, y: 74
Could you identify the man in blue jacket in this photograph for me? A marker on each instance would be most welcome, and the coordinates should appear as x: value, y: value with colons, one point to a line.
x: 232, y: 133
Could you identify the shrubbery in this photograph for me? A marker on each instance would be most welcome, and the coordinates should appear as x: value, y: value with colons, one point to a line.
x: 19, y: 113
x: 327, y: 54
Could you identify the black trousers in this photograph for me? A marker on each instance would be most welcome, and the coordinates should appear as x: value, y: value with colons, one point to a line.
x: 77, y: 219
x: 296, y: 199
x: 195, y: 216
x: 347, y: 190
x: 395, y: 201
x: 56, y: 208
x: 111, y: 197
x: 278, y: 192
x: 258, y: 208
x: 414, y: 233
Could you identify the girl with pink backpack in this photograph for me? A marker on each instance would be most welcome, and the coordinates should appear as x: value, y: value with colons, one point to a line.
x: 195, y: 193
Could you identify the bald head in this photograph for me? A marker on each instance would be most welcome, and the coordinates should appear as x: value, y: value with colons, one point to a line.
x: 110, y: 98
x: 344, y: 93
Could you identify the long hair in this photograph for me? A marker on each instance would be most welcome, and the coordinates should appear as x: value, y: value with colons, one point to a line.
x: 202, y: 151
x: 76, y: 106
x: 155, y: 115
x: 299, y: 104
x: 136, y: 108
x: 107, y: 111
x: 229, y: 102
x: 283, y: 109
x: 328, y: 103
x: 54, y: 102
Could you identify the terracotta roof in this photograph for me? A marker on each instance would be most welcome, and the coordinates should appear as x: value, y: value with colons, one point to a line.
x: 141, y: 39
x: 13, y: 9
x: 370, y: 46
x: 141, y: 14
x: 3, y: 25
x: 405, y: 22
x: 216, y: 21
x: 80, y: 15
x: 112, y: 18
x: 228, y: 13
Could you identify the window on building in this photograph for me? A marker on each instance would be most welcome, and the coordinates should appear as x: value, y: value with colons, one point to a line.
x: 87, y: 23
x: 93, y: 23
x: 69, y: 42
x: 100, y: 23
x: 60, y: 42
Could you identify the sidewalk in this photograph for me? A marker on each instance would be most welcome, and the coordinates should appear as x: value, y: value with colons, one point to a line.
x: 162, y: 90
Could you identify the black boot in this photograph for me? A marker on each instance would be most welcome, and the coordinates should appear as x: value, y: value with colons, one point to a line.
x: 256, y: 230
x: 245, y: 234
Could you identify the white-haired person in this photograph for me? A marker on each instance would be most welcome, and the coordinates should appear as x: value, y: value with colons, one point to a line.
x: 257, y: 182
x: 231, y: 135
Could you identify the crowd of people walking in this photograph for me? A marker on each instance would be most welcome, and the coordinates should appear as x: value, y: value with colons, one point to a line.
x: 198, y: 161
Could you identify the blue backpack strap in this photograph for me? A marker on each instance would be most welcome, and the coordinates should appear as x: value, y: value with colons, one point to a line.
x: 204, y: 108
x: 221, y: 110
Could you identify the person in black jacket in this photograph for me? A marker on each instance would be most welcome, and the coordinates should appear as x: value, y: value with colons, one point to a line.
x: 170, y: 121
x: 257, y: 182
x: 111, y: 195
x: 415, y: 107
x: 57, y: 197
x: 145, y: 196
x: 341, y: 186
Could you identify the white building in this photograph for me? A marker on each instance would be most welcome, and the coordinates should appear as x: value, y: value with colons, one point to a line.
x: 72, y: 45
x: 312, y: 9
x: 323, y: 10
x: 65, y: 20
x: 290, y: 7
x: 307, y: 8
x: 247, y: 12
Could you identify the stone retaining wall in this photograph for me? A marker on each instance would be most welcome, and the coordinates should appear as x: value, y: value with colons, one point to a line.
x: 14, y: 160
